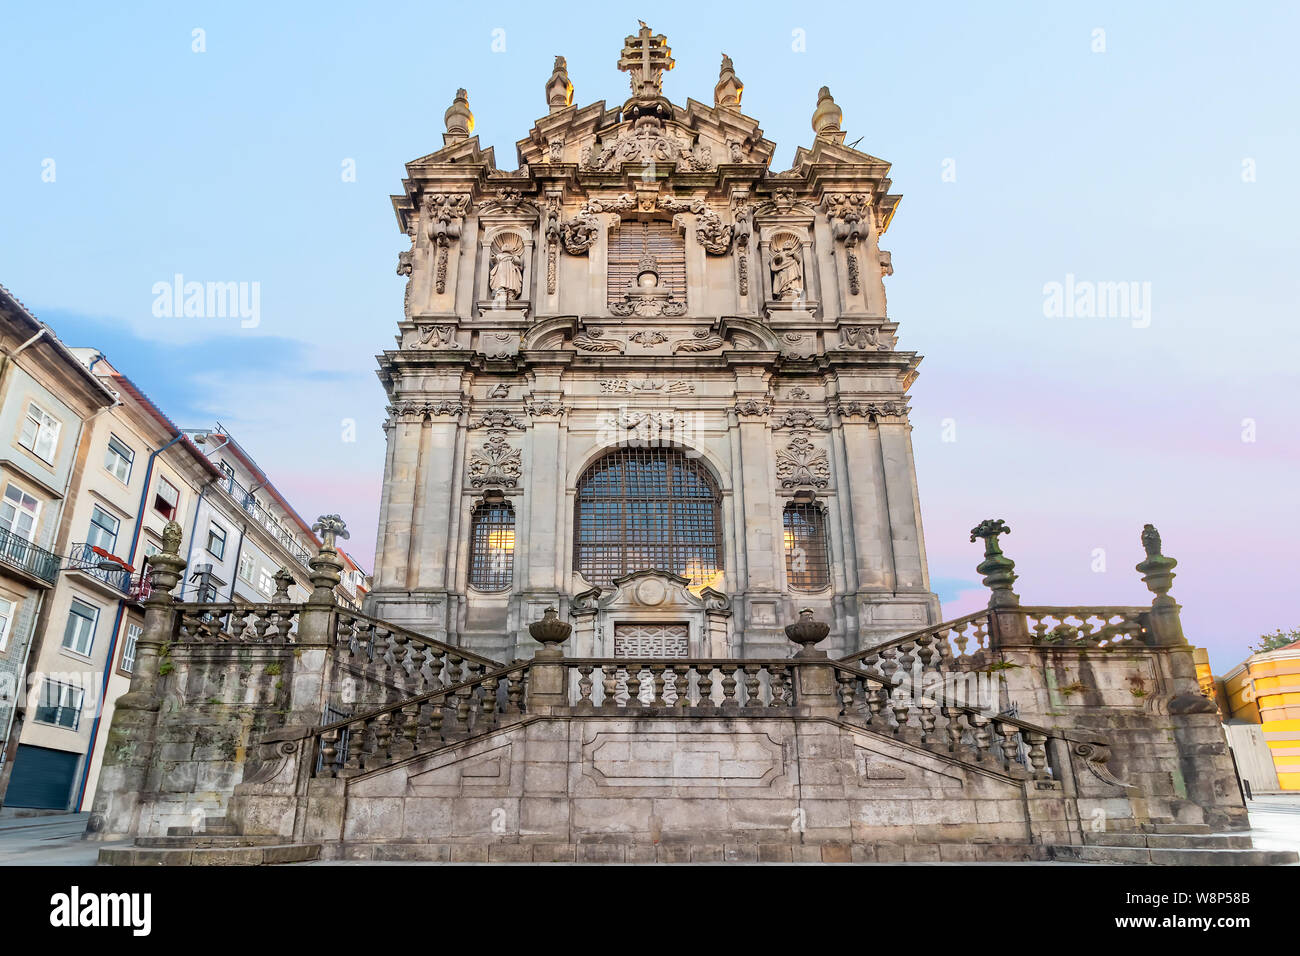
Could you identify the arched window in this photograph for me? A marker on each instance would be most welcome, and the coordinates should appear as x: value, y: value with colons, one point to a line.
x: 642, y: 508
x: 806, y: 562
x: 492, y: 546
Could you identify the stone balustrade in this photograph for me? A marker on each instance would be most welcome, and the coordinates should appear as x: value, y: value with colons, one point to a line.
x: 404, y: 658
x: 680, y: 684
x: 1087, y: 626
x: 466, y: 708
x: 200, y: 623
x: 930, y: 718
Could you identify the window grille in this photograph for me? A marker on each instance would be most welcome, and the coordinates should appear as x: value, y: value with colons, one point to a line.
x: 492, y: 546
x: 806, y: 562
x: 642, y: 508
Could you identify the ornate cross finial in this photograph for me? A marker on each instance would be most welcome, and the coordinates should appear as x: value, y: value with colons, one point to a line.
x: 645, y: 57
x: 996, y: 567
x: 330, y: 527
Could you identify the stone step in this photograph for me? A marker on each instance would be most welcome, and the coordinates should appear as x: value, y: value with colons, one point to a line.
x: 211, y: 826
x: 210, y: 856
x: 1181, y: 856
x: 173, y: 840
x: 1172, y: 841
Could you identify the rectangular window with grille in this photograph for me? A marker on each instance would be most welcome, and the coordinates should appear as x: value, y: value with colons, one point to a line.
x: 806, y: 563
x: 631, y: 240
x: 133, y: 632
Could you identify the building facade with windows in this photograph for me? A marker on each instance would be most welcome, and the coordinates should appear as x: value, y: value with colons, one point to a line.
x: 651, y: 381
x: 47, y: 399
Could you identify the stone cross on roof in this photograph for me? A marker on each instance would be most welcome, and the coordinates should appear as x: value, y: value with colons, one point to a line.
x: 645, y: 57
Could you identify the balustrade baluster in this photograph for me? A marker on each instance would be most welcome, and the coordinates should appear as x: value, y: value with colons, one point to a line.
x: 847, y: 690
x: 983, y: 739
x: 633, y: 685
x: 888, y: 663
x: 436, y: 706
x: 453, y: 669
x: 409, y: 716
x: 1010, y: 748
x: 383, y: 738
x: 704, y: 685
x: 777, y: 678
x: 728, y: 685
x: 356, y: 746
x: 609, y: 685
x: 753, y: 695
x: 953, y: 728
x: 1037, y: 754
x: 657, y: 677
x: 901, y: 709
x: 928, y: 717
x: 329, y: 751
x: 514, y: 687
x: 682, y: 685
x: 488, y: 711
x: 584, y: 687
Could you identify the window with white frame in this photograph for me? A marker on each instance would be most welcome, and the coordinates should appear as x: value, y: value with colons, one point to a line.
x: 165, y: 498
x: 60, y: 704
x: 266, y: 582
x: 79, y: 633
x: 133, y: 632
x: 118, y: 458
x: 103, y: 529
x: 40, y: 432
x: 247, y: 567
x: 18, y: 511
x: 7, y: 611
x: 217, y: 541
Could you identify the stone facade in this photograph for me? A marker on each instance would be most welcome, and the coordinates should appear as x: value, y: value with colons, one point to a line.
x: 644, y: 279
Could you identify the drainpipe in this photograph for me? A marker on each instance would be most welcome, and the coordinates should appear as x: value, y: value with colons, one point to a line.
x: 117, y: 623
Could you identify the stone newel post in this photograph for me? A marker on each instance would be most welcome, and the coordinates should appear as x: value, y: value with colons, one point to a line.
x: 999, y: 574
x: 131, y: 736
x: 1166, y: 628
x: 547, y: 687
x: 815, y: 687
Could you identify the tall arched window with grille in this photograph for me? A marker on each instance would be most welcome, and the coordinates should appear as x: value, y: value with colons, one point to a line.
x: 642, y: 508
x: 492, y: 546
x: 807, y: 563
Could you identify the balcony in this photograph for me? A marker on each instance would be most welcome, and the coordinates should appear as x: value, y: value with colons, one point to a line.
x: 86, y: 559
x: 248, y: 502
x: 20, y: 553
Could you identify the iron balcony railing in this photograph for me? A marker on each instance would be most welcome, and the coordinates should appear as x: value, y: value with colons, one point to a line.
x: 86, y: 559
x: 246, y: 500
x: 20, y: 553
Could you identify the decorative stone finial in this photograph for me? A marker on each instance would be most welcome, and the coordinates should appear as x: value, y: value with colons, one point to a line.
x: 645, y: 57
x: 1157, y: 570
x: 330, y: 527
x: 171, y: 537
x: 806, y: 632
x: 827, y: 117
x: 327, y: 569
x: 559, y: 91
x: 283, y: 581
x: 550, y: 632
x: 996, y: 566
x: 166, y: 566
x: 726, y: 95
x: 459, y: 120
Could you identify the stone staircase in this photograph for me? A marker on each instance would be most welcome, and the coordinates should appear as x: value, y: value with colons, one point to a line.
x: 1188, y: 846
x: 217, y: 843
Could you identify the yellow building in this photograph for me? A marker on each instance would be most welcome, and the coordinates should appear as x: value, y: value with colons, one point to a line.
x: 1265, y: 689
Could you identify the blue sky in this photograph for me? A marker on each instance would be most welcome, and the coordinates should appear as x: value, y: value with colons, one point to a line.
x: 1122, y: 165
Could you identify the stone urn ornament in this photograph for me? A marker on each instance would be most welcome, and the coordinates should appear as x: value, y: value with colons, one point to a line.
x: 806, y: 632
x: 550, y: 632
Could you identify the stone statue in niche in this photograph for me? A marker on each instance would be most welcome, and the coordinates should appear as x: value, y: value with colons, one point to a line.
x: 506, y: 276
x: 787, y: 267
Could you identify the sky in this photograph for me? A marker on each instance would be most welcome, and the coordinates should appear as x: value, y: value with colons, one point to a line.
x: 1154, y: 145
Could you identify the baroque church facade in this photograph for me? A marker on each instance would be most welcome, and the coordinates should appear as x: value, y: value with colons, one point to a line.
x: 648, y: 380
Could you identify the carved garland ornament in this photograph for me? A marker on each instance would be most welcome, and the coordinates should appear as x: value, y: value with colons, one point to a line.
x: 802, y: 463
x: 862, y: 337
x: 648, y: 146
x: 497, y: 463
x: 593, y: 340
x: 711, y: 232
x: 445, y: 214
x: 847, y: 213
x: 615, y: 386
x: 701, y: 340
x: 872, y: 409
